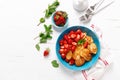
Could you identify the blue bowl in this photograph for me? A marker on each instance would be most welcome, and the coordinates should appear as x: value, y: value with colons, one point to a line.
x: 58, y: 27
x: 88, y: 64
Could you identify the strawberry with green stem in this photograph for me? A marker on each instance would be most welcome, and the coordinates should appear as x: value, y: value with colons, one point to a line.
x: 46, y: 52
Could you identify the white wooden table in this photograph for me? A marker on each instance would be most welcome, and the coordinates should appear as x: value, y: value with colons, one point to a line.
x: 19, y: 60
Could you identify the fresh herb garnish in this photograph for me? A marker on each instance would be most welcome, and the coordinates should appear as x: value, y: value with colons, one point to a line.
x: 42, y: 20
x: 48, y: 28
x: 48, y: 12
x: 51, y: 8
x: 55, y: 64
x: 44, y: 36
x: 82, y: 41
x: 37, y: 47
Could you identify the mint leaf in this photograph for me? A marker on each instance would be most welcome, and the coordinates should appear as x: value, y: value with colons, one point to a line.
x: 55, y: 64
x: 37, y: 47
x: 43, y: 40
x: 47, y: 13
x: 41, y: 34
x: 48, y: 35
x: 42, y: 20
x: 48, y: 28
x: 82, y: 41
x: 54, y: 61
x: 56, y: 3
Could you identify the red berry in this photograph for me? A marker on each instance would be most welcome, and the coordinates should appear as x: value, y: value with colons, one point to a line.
x: 61, y: 51
x: 61, y: 42
x: 65, y: 42
x: 63, y: 55
x: 69, y: 47
x: 72, y: 61
x: 46, y: 52
x: 73, y: 35
x: 61, y: 18
x: 65, y: 37
x: 65, y: 51
x: 62, y: 47
x: 78, y: 31
x: 77, y: 38
x: 57, y: 22
x: 66, y: 46
x: 85, y: 44
x: 73, y: 48
x: 70, y: 41
x: 82, y: 35
x: 74, y: 43
x: 71, y: 32
x: 66, y: 60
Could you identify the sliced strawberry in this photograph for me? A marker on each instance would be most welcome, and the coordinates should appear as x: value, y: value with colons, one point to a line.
x: 85, y: 44
x: 61, y: 51
x: 61, y: 42
x: 74, y: 43
x: 82, y: 35
x: 65, y: 42
x: 63, y: 55
x: 70, y: 41
x: 78, y: 31
x: 65, y: 51
x: 66, y: 46
x: 65, y: 37
x: 77, y: 38
x: 73, y: 35
x: 73, y: 48
x: 68, y: 36
x: 71, y: 32
x: 62, y: 47
x: 69, y: 47
x: 66, y: 60
x: 72, y: 61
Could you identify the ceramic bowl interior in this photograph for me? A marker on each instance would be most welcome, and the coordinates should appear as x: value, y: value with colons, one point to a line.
x: 88, y: 64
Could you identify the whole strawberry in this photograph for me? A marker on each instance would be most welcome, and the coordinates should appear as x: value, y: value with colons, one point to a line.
x: 46, y: 52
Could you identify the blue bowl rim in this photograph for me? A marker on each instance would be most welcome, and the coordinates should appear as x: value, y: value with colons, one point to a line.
x: 79, y: 68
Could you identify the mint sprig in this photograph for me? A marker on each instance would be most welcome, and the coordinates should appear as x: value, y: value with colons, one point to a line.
x: 44, y: 36
x: 49, y: 11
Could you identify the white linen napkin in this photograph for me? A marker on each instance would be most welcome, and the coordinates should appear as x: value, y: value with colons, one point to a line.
x: 103, y: 64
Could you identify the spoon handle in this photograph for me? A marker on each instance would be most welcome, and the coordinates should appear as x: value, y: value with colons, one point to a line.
x: 98, y: 4
x: 108, y: 4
